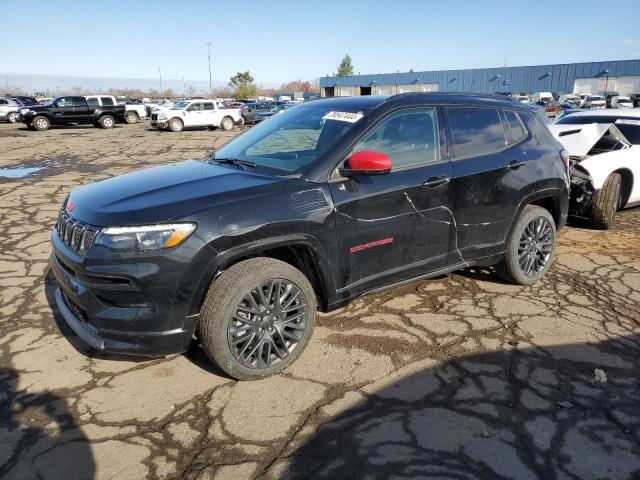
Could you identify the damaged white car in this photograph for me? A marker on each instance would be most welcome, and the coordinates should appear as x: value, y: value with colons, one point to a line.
x: 604, y: 169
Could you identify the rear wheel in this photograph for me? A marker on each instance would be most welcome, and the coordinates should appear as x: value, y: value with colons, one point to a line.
x: 530, y: 248
x: 41, y: 123
x: 106, y: 121
x: 176, y: 125
x: 226, y: 123
x: 243, y: 121
x: 12, y: 117
x: 132, y: 117
x: 606, y: 202
x: 257, y: 318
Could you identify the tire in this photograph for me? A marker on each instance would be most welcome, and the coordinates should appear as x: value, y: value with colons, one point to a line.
x: 106, y: 121
x: 531, y: 243
x: 176, y: 125
x: 606, y: 202
x: 41, y: 123
x: 243, y: 121
x: 12, y: 117
x: 221, y: 318
x: 132, y: 117
x: 226, y: 123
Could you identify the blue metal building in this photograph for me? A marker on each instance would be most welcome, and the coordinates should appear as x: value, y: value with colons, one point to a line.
x: 593, y: 77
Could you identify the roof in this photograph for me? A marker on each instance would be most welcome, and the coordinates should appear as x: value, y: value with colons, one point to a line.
x: 532, y: 78
x: 457, y: 98
x: 610, y: 112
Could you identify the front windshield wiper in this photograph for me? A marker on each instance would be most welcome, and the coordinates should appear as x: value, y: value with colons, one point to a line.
x: 234, y: 161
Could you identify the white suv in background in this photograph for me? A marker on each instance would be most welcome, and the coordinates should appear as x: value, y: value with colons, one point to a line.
x: 9, y: 110
x: 594, y: 101
x: 620, y: 101
x: 196, y: 113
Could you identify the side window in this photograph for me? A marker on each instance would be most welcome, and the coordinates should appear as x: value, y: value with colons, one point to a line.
x: 515, y: 126
x: 78, y: 102
x: 208, y: 106
x: 475, y: 131
x: 409, y: 137
x: 194, y: 107
x: 3, y: 102
x: 107, y: 101
x: 64, y: 102
x: 92, y: 102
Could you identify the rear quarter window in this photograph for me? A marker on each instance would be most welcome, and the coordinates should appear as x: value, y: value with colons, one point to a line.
x: 108, y: 101
x: 515, y: 126
x: 475, y: 131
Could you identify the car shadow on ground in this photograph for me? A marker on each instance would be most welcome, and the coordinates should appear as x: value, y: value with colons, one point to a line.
x: 565, y: 411
x: 38, y: 435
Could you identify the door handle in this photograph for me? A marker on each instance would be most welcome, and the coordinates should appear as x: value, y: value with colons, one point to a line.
x: 436, y: 182
x: 515, y: 164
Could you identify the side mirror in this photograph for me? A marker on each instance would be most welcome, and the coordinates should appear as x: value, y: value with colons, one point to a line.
x: 367, y: 162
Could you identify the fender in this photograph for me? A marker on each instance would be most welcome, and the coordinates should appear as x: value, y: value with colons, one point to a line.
x: 216, y: 261
x: 560, y: 193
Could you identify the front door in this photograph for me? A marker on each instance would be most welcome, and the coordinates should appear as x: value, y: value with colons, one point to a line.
x: 395, y: 225
x: 63, y: 110
x: 194, y: 114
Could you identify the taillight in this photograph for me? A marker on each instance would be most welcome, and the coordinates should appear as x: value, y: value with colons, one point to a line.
x: 564, y: 156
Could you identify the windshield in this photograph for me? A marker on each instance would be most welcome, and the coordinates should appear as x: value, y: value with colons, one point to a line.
x: 292, y: 140
x: 180, y: 105
x: 596, y: 98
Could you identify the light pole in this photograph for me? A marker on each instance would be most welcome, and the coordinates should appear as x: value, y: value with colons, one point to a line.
x: 160, y: 74
x: 208, y: 44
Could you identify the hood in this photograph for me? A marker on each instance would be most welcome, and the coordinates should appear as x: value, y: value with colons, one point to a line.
x: 162, y: 193
x: 590, y: 138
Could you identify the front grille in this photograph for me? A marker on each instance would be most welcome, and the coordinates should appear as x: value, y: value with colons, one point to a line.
x: 74, y: 307
x: 154, y: 116
x: 78, y: 236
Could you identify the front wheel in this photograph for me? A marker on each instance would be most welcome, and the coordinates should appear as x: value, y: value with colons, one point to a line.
x: 530, y: 248
x: 12, y: 117
x: 41, y: 123
x: 226, y: 123
x: 176, y: 125
x: 606, y: 202
x: 257, y: 318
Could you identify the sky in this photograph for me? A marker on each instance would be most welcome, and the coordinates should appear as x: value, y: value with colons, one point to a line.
x: 280, y: 41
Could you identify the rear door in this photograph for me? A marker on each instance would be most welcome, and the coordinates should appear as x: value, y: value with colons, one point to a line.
x: 491, y: 174
x: 80, y: 109
x: 396, y: 225
x: 208, y: 114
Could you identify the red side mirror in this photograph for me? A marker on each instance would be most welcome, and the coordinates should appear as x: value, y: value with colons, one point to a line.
x: 368, y: 162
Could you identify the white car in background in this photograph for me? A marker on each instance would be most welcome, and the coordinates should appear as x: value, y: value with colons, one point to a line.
x: 9, y: 110
x: 196, y: 113
x: 620, y: 101
x: 594, y: 101
x: 604, y: 165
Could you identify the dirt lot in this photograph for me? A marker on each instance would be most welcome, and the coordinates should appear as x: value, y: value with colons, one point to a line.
x: 458, y: 377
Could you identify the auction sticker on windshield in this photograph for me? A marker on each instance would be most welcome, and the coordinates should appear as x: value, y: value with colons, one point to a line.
x: 343, y: 116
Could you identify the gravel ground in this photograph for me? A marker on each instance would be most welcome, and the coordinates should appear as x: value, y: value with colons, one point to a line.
x: 459, y: 377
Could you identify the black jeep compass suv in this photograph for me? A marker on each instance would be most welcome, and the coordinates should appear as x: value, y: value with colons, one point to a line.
x: 321, y: 203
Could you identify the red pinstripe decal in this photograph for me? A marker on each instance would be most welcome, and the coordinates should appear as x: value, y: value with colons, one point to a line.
x: 377, y: 243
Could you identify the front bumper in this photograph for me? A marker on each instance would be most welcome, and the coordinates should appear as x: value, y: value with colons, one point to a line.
x: 108, y: 306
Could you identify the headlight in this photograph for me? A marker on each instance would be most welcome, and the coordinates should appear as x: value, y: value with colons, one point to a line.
x: 24, y: 111
x: 162, y: 116
x: 144, y: 238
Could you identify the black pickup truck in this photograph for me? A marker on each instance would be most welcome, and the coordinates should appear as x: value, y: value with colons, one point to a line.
x: 70, y: 110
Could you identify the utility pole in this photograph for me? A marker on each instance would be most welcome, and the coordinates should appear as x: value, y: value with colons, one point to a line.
x: 160, y: 74
x: 208, y: 44
x: 184, y: 87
